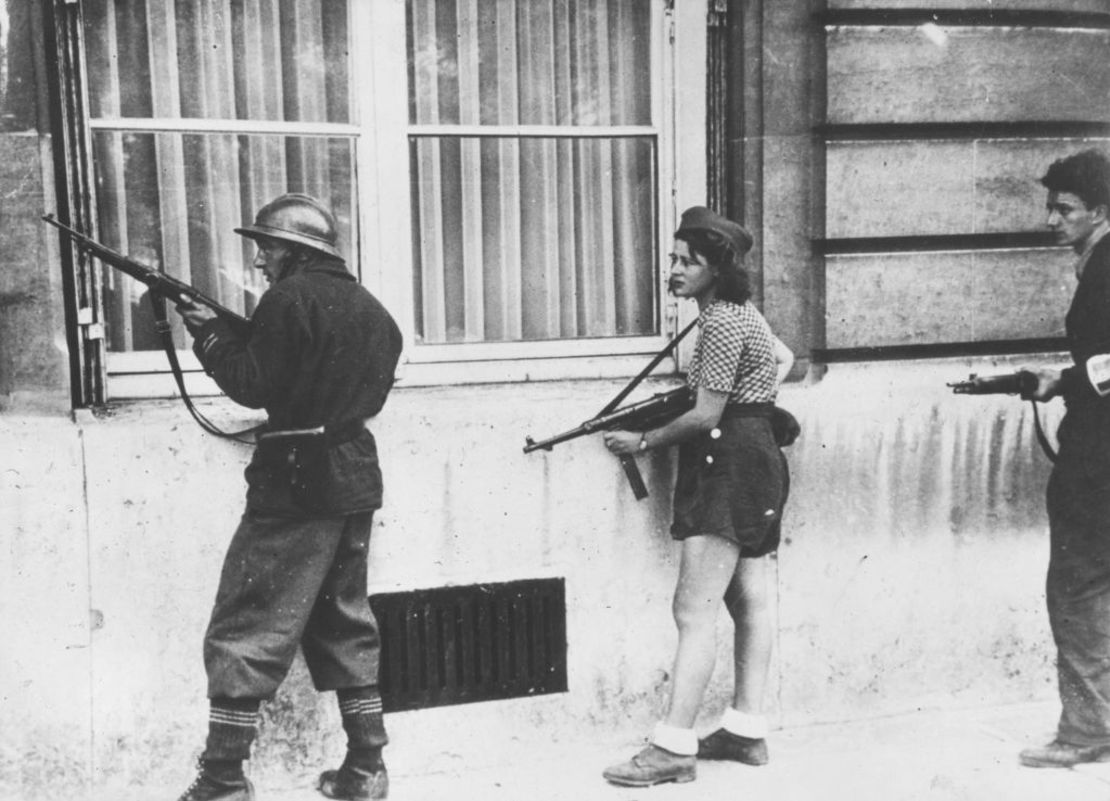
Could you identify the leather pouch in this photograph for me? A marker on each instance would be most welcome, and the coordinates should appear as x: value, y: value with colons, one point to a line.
x: 301, y: 458
x: 784, y: 426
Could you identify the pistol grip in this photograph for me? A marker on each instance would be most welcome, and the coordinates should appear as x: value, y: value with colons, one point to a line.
x: 635, y: 480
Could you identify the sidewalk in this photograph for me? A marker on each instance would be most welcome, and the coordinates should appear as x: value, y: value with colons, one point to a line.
x: 941, y: 756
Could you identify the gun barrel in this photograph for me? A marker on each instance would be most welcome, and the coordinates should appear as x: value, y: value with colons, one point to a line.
x: 1022, y: 383
x: 547, y: 444
x: 170, y: 287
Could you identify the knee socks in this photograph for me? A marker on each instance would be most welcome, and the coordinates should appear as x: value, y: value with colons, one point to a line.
x: 232, y: 724
x: 361, y: 710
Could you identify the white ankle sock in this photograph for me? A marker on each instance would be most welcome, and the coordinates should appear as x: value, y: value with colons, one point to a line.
x: 744, y: 724
x: 675, y: 740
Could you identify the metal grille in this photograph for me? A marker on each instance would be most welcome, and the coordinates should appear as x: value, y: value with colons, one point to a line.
x: 457, y: 645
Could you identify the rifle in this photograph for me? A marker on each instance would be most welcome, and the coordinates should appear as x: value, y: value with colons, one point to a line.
x: 160, y: 284
x: 1022, y: 383
x: 162, y: 288
x: 647, y: 414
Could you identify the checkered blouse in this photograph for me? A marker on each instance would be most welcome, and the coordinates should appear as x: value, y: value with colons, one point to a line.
x: 734, y: 353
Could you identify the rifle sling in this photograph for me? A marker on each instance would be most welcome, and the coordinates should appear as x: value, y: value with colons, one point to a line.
x: 1041, y: 438
x: 660, y: 356
x: 165, y: 333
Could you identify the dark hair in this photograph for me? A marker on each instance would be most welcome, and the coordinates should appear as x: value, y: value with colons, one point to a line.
x: 1085, y: 174
x: 733, y: 282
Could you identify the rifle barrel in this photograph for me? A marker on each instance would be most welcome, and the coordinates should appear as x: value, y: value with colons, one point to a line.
x: 158, y: 281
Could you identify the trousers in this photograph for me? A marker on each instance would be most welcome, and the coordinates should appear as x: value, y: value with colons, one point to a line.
x: 289, y: 583
x: 1078, y: 596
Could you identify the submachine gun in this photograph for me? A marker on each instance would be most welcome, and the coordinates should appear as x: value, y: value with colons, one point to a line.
x: 1022, y: 383
x: 651, y: 413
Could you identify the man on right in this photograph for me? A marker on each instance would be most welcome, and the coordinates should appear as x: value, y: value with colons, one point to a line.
x: 1078, y: 497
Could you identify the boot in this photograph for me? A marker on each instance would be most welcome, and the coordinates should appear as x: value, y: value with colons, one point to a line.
x: 209, y: 785
x: 354, y: 784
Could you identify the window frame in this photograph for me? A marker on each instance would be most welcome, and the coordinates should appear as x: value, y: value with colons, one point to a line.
x: 380, y: 130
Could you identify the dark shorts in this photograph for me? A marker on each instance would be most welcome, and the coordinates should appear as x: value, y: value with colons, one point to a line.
x: 733, y: 486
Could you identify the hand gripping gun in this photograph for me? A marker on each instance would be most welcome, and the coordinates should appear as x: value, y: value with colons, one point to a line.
x: 162, y: 288
x: 160, y: 284
x: 1022, y: 383
x: 648, y: 414
x: 653, y: 412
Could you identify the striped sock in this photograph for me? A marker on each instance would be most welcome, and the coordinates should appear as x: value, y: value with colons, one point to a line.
x: 361, y: 711
x: 232, y: 724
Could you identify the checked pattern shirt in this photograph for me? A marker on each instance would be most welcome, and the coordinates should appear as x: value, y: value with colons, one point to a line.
x: 734, y: 353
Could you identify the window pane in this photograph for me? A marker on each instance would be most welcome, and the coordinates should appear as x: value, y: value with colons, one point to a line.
x: 529, y: 62
x: 17, y: 67
x: 534, y: 238
x: 283, y: 60
x: 171, y: 200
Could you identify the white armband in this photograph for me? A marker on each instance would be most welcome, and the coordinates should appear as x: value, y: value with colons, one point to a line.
x: 1098, y: 373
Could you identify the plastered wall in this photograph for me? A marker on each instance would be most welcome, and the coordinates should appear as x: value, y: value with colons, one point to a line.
x: 910, y: 575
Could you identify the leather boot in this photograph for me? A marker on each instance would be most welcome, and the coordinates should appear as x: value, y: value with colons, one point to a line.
x: 353, y: 784
x: 207, y: 787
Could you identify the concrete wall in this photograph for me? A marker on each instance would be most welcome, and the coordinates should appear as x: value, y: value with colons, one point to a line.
x: 910, y: 575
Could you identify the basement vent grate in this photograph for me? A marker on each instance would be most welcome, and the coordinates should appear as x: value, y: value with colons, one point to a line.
x: 482, y: 642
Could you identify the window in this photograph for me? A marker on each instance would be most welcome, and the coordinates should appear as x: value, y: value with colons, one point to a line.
x: 533, y: 159
x: 497, y: 167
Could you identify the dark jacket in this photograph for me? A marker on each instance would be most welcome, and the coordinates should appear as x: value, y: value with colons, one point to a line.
x: 1085, y: 429
x: 322, y: 352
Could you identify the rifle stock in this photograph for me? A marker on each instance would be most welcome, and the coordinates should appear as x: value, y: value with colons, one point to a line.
x: 167, y: 286
x: 641, y: 416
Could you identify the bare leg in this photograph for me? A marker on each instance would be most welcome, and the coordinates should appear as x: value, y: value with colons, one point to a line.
x: 748, y: 602
x: 708, y: 565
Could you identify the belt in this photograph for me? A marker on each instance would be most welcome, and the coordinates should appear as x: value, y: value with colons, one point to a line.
x: 333, y: 433
x: 736, y: 410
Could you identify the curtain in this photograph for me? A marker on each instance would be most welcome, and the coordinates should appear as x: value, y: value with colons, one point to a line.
x: 532, y: 236
x: 172, y: 198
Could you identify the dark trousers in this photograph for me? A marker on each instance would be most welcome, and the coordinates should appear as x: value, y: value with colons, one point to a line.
x: 1078, y: 595
x: 286, y: 583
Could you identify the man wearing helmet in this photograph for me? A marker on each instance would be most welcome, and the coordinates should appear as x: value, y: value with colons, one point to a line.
x: 320, y: 360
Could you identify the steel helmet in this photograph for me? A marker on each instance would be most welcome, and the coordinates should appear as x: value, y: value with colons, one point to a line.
x: 296, y: 218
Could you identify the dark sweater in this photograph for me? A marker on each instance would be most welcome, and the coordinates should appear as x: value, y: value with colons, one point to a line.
x: 322, y: 351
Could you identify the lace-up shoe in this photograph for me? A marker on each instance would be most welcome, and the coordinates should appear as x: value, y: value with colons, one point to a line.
x: 208, y: 788
x: 723, y: 744
x: 653, y: 765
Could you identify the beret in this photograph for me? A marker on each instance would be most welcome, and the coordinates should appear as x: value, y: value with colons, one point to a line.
x: 699, y: 218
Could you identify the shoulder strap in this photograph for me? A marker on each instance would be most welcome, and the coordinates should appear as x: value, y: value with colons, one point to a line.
x: 162, y: 325
x: 1041, y: 438
x: 660, y: 356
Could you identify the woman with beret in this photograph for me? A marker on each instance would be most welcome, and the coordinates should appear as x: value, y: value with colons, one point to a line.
x: 728, y: 501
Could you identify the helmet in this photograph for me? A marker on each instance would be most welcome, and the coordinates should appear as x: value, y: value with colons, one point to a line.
x: 296, y: 218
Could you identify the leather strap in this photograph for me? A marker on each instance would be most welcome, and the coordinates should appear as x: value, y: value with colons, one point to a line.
x: 165, y: 333
x: 1041, y: 438
x: 660, y: 356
